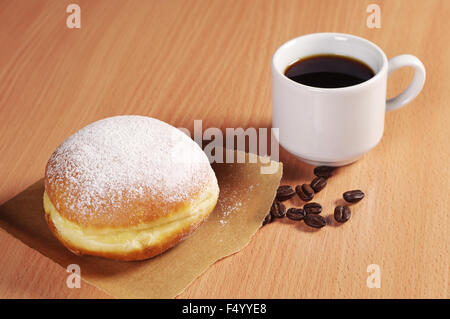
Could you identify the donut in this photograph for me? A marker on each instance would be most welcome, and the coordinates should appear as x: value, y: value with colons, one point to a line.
x: 127, y: 188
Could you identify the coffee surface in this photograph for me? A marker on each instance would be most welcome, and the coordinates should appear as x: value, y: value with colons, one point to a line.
x: 329, y: 71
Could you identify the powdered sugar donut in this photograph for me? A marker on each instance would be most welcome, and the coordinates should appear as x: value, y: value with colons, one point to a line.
x: 128, y: 188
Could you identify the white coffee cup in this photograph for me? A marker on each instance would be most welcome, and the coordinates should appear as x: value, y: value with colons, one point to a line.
x: 335, y: 127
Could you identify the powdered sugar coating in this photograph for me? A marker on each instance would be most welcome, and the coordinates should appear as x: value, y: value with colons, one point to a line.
x: 123, y: 160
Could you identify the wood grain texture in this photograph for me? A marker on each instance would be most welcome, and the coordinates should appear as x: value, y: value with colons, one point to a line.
x: 210, y: 60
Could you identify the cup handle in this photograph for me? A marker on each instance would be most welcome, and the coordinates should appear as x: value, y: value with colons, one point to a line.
x: 416, y: 85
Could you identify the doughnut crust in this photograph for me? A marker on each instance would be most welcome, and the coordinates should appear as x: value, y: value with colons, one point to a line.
x: 127, y: 188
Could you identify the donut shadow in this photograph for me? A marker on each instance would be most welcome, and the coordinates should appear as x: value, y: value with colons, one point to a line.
x: 23, y: 217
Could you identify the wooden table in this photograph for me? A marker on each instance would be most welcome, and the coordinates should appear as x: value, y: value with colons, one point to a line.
x: 210, y: 60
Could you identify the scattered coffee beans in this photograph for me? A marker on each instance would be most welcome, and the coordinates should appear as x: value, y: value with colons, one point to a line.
x: 305, y: 192
x: 313, y: 208
x: 324, y: 171
x: 318, y: 184
x: 315, y: 221
x: 285, y: 192
x: 310, y: 211
x: 278, y: 209
x: 267, y: 220
x: 353, y: 196
x: 295, y: 213
x: 342, y: 214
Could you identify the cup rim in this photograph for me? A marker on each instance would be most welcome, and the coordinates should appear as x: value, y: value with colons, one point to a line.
x: 346, y: 88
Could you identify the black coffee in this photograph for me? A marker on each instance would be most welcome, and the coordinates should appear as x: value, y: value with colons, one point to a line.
x: 329, y: 71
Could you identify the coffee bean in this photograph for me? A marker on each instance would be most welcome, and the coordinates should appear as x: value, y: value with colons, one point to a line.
x: 285, y: 192
x: 295, y: 213
x: 305, y: 192
x: 342, y: 214
x: 315, y: 221
x: 353, y: 196
x: 318, y: 184
x: 274, y: 208
x: 278, y: 209
x: 267, y: 219
x: 313, y: 208
x: 324, y: 171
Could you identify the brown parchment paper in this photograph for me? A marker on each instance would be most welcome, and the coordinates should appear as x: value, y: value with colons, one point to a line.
x: 245, y: 198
